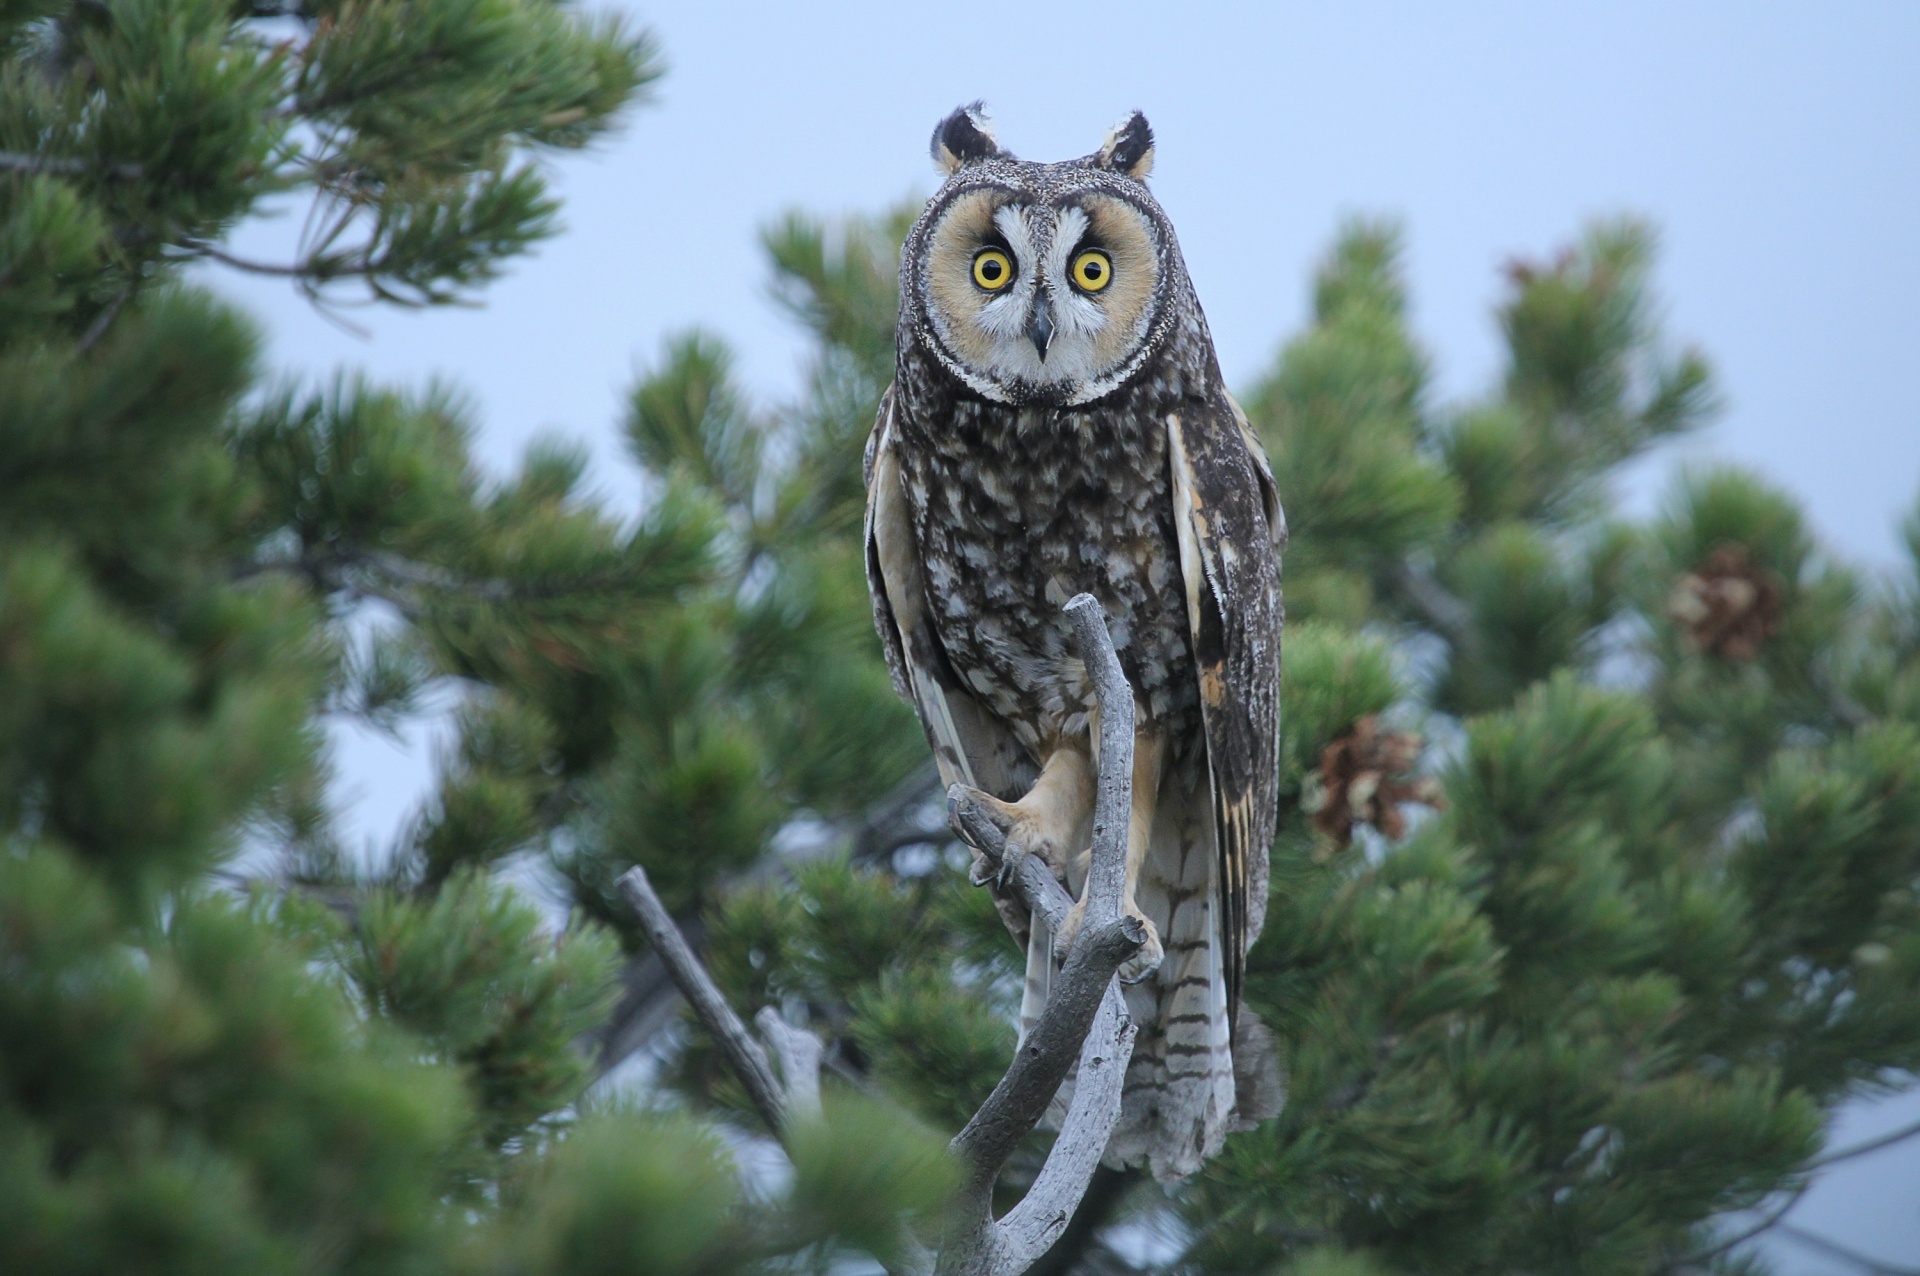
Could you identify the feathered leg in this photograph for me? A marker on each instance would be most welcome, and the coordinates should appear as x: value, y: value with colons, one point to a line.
x: 1149, y: 755
x: 1052, y: 821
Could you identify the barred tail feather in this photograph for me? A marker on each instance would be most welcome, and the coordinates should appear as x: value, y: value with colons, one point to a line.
x: 1179, y: 1100
x: 1191, y: 1081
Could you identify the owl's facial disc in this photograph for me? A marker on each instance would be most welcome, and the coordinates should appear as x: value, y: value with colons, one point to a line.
x: 1042, y: 302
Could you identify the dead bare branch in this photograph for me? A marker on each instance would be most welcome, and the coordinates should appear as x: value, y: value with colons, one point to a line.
x: 1085, y: 1018
x: 743, y: 1053
x: 1084, y: 1022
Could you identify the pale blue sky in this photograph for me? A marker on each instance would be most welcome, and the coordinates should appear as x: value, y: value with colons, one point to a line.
x: 1776, y: 146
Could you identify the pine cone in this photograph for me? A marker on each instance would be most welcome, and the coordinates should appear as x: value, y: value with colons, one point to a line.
x: 1365, y: 777
x: 1728, y: 605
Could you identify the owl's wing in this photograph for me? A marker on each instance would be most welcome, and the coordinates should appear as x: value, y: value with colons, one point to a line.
x: 1230, y: 528
x: 970, y: 745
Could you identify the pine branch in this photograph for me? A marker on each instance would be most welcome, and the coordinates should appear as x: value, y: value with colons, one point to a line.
x: 1695, y: 1260
x: 743, y: 1053
x: 66, y: 166
x: 1847, y: 711
x: 1777, y: 1219
x: 104, y: 320
x: 398, y: 580
x: 1900, y: 1135
x: 650, y: 997
x: 796, y: 1093
x: 303, y: 270
x: 1436, y: 605
x: 1833, y: 1249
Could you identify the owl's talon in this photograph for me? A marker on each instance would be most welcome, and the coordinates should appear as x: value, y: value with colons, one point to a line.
x: 1000, y: 833
x: 971, y: 817
x: 1144, y: 963
x: 1069, y: 928
x: 1009, y: 864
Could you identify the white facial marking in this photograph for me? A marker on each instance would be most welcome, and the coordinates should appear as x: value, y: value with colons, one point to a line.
x: 1005, y: 317
x: 1043, y: 242
x: 1097, y: 339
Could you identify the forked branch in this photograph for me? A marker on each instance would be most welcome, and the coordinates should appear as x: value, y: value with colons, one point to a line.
x: 1084, y: 1021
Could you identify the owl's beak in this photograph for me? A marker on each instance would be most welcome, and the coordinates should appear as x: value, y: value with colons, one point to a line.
x: 1040, y: 326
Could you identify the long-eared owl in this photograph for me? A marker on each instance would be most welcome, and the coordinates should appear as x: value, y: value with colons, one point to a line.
x: 1058, y: 424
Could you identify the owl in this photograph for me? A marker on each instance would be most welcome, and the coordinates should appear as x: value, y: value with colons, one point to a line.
x: 1057, y: 424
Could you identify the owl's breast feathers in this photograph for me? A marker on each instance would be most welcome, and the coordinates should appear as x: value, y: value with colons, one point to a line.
x: 1015, y: 511
x: 1160, y: 503
x: 983, y: 520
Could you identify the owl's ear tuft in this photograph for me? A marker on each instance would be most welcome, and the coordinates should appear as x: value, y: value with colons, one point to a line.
x: 964, y: 138
x: 1128, y: 148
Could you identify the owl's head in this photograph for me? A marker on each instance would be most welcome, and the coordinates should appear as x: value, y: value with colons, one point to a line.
x: 1046, y: 284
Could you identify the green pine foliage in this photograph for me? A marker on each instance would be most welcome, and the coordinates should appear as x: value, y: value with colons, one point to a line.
x: 1658, y: 919
x: 354, y: 1067
x: 1663, y: 922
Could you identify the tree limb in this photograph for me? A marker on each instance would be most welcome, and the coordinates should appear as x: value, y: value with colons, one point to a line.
x: 1085, y: 1015
x: 1042, y: 1216
x: 1085, y: 1019
x: 1777, y: 1217
x: 1887, y: 1140
x: 66, y: 166
x: 799, y: 1052
x: 307, y: 269
x: 1437, y: 605
x: 1833, y: 1249
x: 1766, y: 1224
x: 743, y: 1053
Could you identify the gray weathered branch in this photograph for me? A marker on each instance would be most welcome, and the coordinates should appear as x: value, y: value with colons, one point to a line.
x: 799, y: 1053
x: 649, y: 997
x: 744, y: 1055
x: 1031, y: 1227
x: 1085, y: 1020
x: 1085, y: 1017
x: 65, y: 166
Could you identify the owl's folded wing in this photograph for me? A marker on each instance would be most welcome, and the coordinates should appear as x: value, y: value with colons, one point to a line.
x: 1227, y: 517
x: 970, y: 745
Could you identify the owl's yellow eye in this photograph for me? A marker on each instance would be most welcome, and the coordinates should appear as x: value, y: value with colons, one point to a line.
x: 1092, y: 270
x: 992, y: 269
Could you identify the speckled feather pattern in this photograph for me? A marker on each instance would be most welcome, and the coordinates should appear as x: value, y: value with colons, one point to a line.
x: 1017, y: 510
x: 989, y: 507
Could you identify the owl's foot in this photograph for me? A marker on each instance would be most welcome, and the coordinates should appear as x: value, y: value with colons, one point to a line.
x: 1001, y: 835
x: 1143, y: 964
x: 1135, y: 968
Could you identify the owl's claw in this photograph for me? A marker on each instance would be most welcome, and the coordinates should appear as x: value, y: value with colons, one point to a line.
x: 1001, y: 834
x: 1143, y: 964
x: 972, y: 822
x: 1009, y: 865
x: 1134, y: 969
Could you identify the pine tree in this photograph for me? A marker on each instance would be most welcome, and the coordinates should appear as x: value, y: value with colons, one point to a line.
x: 1553, y: 991
x: 341, y: 1071
x: 1559, y: 989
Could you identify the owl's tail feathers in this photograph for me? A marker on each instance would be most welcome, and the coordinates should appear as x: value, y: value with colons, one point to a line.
x: 1190, y: 1081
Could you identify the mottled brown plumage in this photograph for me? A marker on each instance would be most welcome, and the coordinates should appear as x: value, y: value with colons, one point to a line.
x: 1055, y: 428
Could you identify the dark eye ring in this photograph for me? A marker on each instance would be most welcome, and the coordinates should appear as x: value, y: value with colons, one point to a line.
x: 992, y: 269
x: 1092, y: 270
